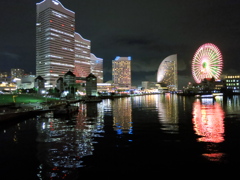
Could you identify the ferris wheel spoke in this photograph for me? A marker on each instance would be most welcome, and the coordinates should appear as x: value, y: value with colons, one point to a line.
x: 207, y: 62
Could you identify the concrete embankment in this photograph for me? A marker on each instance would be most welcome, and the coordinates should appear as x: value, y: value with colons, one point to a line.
x: 16, y: 112
x: 15, y: 116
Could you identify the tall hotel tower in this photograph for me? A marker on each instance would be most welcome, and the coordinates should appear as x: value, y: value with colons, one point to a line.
x: 97, y: 67
x: 82, y: 56
x: 167, y: 73
x: 121, y: 71
x: 55, y: 33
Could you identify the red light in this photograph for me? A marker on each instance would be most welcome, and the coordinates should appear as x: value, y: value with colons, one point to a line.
x: 50, y: 21
x: 208, y: 122
x: 63, y: 25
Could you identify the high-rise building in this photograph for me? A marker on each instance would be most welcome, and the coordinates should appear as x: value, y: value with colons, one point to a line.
x: 17, y: 73
x: 55, y: 39
x: 3, y: 74
x: 97, y: 67
x: 121, y: 71
x: 146, y: 85
x: 233, y: 83
x: 167, y: 73
x: 82, y: 56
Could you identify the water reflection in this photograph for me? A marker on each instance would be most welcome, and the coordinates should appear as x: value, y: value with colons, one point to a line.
x: 122, y: 115
x: 63, y: 142
x: 208, y: 120
x: 168, y: 112
x: 123, y: 134
x: 232, y: 105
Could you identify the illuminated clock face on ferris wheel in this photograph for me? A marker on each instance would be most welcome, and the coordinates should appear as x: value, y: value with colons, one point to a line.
x: 207, y: 62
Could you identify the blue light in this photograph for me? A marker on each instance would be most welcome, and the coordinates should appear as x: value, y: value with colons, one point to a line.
x: 119, y: 131
x: 118, y: 57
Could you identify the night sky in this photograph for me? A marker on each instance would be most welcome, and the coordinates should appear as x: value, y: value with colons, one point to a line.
x: 147, y: 30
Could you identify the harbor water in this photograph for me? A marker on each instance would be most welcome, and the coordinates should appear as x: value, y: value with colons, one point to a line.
x: 141, y: 133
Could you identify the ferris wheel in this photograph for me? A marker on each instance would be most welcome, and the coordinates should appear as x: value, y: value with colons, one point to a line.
x: 207, y: 62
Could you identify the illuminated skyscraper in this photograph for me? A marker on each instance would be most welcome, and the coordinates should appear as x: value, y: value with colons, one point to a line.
x: 97, y: 67
x: 121, y: 71
x: 82, y: 56
x: 17, y: 73
x: 167, y: 73
x: 54, y: 41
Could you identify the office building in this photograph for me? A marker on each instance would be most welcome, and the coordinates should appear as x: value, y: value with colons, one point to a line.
x: 167, y: 73
x: 82, y: 61
x: 3, y: 74
x: 55, y: 39
x: 233, y: 83
x: 97, y: 67
x: 26, y: 82
x: 149, y: 85
x: 17, y: 73
x: 121, y: 71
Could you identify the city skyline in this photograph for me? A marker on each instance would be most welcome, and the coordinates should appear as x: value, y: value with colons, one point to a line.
x: 147, y: 31
x: 58, y: 47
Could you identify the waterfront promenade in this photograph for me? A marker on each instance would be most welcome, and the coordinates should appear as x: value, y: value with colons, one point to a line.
x: 15, y: 106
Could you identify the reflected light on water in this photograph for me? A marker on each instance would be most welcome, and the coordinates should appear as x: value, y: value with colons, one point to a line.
x: 63, y: 142
x: 122, y: 116
x: 208, y: 123
x: 168, y: 113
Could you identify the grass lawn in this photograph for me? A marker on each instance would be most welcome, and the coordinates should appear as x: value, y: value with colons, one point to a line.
x: 20, y: 98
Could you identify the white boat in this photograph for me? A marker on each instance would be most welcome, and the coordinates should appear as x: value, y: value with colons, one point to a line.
x: 205, y: 96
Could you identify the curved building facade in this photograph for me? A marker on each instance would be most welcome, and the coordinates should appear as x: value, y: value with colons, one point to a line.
x: 167, y: 73
x: 97, y: 67
x: 82, y: 60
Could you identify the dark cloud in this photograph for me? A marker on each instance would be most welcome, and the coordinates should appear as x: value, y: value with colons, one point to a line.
x: 146, y: 65
x: 9, y: 60
x: 8, y: 55
x: 149, y: 31
x: 182, y: 66
x: 133, y: 41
